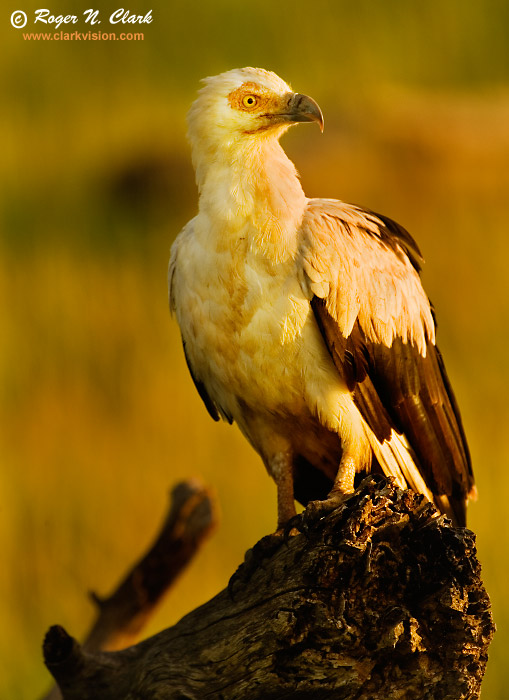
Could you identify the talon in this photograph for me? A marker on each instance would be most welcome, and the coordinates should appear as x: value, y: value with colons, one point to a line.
x: 316, y: 510
x: 292, y: 528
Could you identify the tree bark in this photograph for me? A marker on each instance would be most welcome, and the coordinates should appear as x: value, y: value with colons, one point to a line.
x: 381, y: 599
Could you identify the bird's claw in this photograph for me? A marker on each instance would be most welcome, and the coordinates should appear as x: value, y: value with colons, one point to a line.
x: 316, y: 510
x: 292, y: 527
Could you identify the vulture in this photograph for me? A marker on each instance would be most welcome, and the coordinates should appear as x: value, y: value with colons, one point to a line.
x: 305, y: 320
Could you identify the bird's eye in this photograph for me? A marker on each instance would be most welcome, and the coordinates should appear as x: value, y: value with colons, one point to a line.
x: 250, y: 101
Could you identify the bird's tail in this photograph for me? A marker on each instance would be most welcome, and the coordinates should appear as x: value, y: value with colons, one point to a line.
x: 396, y: 459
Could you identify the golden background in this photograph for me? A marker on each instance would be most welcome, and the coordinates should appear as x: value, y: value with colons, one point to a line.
x: 99, y: 417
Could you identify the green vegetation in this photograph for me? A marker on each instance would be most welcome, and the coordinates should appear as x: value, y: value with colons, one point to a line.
x: 99, y: 417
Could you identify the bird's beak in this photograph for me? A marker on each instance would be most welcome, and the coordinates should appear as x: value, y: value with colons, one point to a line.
x: 302, y: 108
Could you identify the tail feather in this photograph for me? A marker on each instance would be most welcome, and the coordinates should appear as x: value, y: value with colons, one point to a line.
x: 396, y: 459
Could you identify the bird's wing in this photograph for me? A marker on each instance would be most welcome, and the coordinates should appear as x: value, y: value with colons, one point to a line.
x: 360, y: 271
x: 173, y: 298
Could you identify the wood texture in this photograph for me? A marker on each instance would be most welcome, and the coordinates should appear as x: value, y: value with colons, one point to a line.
x: 380, y: 599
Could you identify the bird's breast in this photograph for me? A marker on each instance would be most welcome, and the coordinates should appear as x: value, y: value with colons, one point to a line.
x: 249, y: 330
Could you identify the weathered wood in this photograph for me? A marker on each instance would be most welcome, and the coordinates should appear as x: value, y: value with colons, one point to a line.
x: 380, y: 600
x: 120, y: 617
x: 190, y: 520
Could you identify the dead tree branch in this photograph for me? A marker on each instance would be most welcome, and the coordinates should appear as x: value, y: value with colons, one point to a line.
x: 120, y: 618
x: 122, y: 615
x: 379, y: 600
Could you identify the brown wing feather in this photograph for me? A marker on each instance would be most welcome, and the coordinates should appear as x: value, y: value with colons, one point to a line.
x: 396, y: 374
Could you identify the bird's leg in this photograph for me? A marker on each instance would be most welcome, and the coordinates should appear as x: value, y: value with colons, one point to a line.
x: 344, y: 481
x: 343, y: 486
x: 281, y: 469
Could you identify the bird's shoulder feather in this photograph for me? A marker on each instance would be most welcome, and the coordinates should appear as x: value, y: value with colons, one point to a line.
x: 365, y: 268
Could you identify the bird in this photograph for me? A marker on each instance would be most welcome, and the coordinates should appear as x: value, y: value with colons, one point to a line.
x: 304, y: 320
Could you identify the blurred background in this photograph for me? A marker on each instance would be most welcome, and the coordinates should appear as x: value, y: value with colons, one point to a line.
x: 99, y: 417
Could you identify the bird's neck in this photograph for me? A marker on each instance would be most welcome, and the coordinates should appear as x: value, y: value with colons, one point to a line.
x: 253, y: 186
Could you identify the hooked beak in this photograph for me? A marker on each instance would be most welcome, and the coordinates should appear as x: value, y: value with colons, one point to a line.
x: 304, y: 109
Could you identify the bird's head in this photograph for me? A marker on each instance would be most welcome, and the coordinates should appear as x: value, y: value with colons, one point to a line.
x: 247, y: 102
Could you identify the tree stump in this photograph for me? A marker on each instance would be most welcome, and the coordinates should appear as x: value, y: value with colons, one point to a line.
x: 381, y: 599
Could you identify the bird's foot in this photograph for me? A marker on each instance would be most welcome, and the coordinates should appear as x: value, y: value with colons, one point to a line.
x: 292, y: 527
x: 316, y: 510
